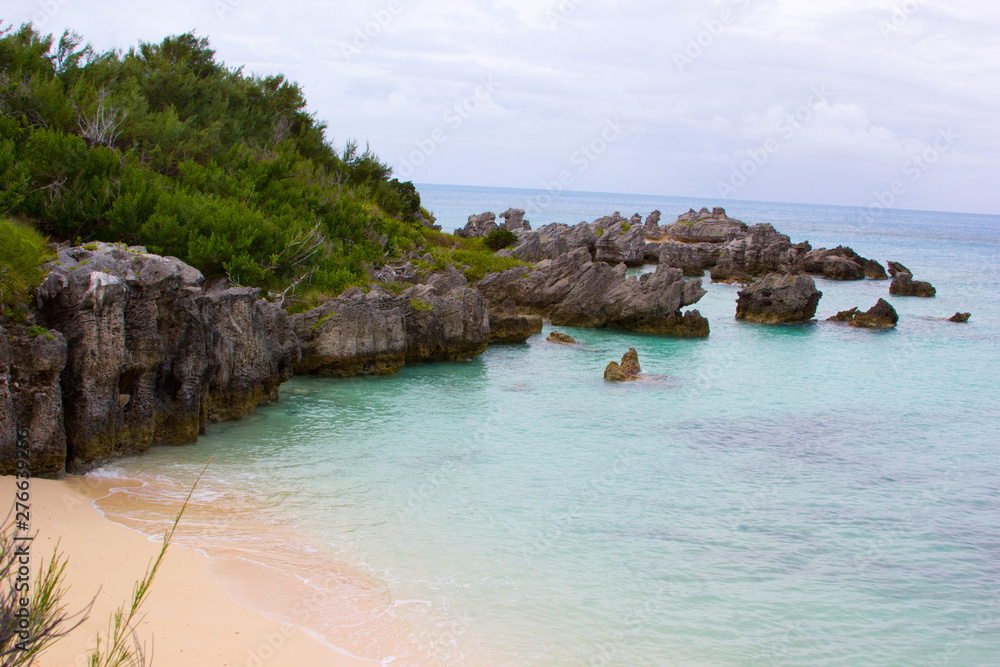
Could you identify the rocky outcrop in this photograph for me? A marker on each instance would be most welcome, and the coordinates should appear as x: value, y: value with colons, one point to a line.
x: 513, y: 220
x: 841, y: 263
x: 529, y: 249
x: 153, y: 355
x: 31, y: 400
x: 625, y: 371
x: 880, y: 316
x: 779, y: 298
x: 558, y: 239
x: 378, y: 332
x: 506, y: 326
x: 621, y: 242
x: 960, y: 318
x: 478, y: 225
x: 561, y: 338
x: 705, y: 227
x: 573, y: 290
x: 691, y: 258
x: 903, y: 284
x: 651, y: 228
x: 761, y: 251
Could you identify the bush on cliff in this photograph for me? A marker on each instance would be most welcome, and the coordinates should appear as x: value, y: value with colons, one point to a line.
x: 499, y: 239
x: 472, y: 256
x: 22, y: 253
x: 165, y: 146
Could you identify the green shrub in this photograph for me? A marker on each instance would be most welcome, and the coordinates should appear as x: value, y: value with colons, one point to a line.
x: 420, y: 305
x: 500, y: 238
x: 626, y: 227
x: 23, y: 251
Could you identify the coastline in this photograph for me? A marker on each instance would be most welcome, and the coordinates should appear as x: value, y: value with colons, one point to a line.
x: 188, y: 619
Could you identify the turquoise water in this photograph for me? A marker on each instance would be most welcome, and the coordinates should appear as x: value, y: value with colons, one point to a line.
x: 773, y: 495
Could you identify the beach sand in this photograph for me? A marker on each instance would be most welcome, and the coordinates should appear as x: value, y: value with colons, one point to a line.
x: 189, y: 619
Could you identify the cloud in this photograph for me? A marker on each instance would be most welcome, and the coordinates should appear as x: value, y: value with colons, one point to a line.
x: 566, y: 66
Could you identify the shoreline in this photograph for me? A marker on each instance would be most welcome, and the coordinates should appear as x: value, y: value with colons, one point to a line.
x: 189, y: 618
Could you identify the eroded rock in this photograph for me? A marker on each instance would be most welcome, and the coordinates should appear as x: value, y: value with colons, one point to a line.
x: 779, y: 298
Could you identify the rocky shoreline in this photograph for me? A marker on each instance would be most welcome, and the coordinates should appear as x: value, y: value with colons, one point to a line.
x: 127, y: 349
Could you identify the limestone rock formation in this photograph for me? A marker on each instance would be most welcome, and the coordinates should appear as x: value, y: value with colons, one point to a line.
x: 705, y: 227
x: 31, y: 400
x: 691, y: 258
x: 651, y: 228
x: 903, y: 284
x: 561, y: 338
x: 621, y: 242
x: 152, y: 354
x: 626, y: 371
x: 378, y: 332
x: 880, y: 316
x: 478, y: 225
x: 960, y: 318
x: 507, y: 326
x: 514, y: 220
x: 779, y: 298
x: 576, y: 291
x: 760, y: 251
x: 841, y: 263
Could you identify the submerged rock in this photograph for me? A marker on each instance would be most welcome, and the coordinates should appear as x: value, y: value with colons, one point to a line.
x: 573, y: 290
x: 561, y: 338
x: 961, y: 318
x: 779, y: 298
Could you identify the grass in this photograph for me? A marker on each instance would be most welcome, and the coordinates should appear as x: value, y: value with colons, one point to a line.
x: 23, y: 251
x: 323, y: 319
x: 420, y: 305
x: 471, y: 256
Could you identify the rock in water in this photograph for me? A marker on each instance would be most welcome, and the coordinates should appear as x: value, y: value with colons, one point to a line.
x: 779, y: 298
x: 705, y: 227
x: 626, y: 371
x: 561, y: 338
x: 846, y: 316
x: 574, y: 290
x: 630, y: 362
x: 880, y: 316
x: 961, y: 318
x: 614, y: 373
x: 903, y: 284
x: 506, y: 326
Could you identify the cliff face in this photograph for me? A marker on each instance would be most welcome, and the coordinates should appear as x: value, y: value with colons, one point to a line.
x: 31, y: 399
x: 378, y: 332
x: 153, y: 356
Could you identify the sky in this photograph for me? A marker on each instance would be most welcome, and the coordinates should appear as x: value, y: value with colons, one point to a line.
x: 856, y: 102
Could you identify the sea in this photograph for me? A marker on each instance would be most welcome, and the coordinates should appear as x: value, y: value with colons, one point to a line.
x: 797, y: 495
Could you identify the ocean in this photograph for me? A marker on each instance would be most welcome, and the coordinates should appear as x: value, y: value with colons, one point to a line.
x: 775, y: 495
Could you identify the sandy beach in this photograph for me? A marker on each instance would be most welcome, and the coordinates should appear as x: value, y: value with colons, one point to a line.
x: 189, y: 619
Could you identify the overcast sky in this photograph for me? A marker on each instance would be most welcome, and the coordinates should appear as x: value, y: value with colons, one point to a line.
x: 779, y: 100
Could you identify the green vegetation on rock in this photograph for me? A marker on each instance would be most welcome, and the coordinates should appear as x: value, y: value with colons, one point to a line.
x: 23, y: 251
x: 166, y: 147
x: 499, y: 239
x: 472, y: 256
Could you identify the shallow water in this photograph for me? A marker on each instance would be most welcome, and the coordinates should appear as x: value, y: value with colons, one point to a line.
x: 773, y: 495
